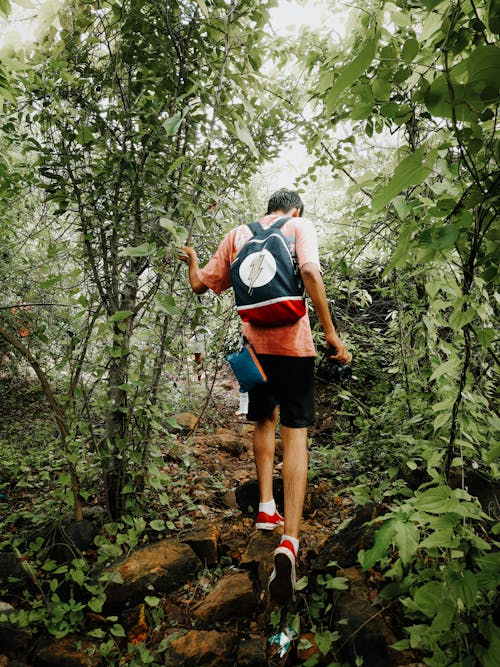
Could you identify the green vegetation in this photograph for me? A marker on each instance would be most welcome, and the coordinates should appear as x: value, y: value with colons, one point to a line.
x: 131, y: 128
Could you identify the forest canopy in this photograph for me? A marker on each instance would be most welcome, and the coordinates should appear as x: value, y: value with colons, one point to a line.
x: 129, y: 129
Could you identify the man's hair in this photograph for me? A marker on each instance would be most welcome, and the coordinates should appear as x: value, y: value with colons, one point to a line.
x: 285, y: 200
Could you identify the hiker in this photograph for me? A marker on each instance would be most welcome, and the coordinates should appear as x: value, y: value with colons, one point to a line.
x: 286, y: 354
x: 197, y: 345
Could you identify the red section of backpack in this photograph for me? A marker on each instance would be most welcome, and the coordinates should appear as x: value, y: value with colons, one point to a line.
x: 277, y: 314
x: 273, y: 300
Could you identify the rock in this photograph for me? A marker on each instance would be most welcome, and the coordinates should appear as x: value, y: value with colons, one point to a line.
x: 261, y: 544
x: 173, y: 614
x: 134, y: 623
x: 233, y: 596
x: 12, y: 575
x: 201, y: 648
x: 225, y: 439
x: 160, y: 567
x: 252, y: 652
x: 186, y: 420
x: 343, y: 546
x: 247, y: 496
x: 228, y: 499
x: 72, y: 651
x: 364, y: 633
x: 82, y: 534
x: 12, y: 637
x: 203, y: 540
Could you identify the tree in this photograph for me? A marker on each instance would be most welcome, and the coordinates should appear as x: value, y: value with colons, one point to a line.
x: 142, y: 115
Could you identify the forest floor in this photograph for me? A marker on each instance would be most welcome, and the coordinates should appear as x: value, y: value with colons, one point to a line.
x: 203, y: 470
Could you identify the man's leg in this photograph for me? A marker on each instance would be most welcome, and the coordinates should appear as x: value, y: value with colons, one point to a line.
x: 263, y: 448
x: 294, y: 476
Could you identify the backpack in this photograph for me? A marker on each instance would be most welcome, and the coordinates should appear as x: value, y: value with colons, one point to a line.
x: 266, y: 281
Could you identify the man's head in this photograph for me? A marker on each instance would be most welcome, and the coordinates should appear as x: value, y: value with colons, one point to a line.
x: 285, y: 200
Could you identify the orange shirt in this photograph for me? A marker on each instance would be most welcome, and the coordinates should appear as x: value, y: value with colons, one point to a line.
x: 293, y: 340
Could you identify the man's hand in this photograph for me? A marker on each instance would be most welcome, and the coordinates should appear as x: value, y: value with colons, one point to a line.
x: 189, y: 257
x: 342, y: 354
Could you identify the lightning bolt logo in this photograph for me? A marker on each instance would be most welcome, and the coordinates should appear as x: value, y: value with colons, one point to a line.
x: 255, y: 270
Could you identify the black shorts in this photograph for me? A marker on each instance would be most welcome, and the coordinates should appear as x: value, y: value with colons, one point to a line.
x: 290, y: 384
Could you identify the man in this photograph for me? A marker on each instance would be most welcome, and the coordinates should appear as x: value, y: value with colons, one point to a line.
x: 287, y: 355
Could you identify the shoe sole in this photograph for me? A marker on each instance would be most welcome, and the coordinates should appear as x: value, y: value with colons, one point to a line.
x: 267, y: 526
x: 281, y: 585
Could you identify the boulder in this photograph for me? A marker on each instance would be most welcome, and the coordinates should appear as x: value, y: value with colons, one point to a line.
x: 72, y: 651
x: 12, y: 575
x: 247, y: 496
x: 343, y: 546
x: 201, y: 648
x: 161, y: 567
x: 364, y: 632
x: 203, y: 539
x: 261, y: 544
x: 234, y: 596
x: 12, y: 637
x: 252, y: 652
x: 186, y: 421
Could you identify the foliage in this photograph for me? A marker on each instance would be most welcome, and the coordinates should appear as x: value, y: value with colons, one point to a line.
x: 132, y: 128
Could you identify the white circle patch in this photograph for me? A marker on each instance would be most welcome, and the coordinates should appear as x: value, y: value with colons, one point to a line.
x: 258, y: 269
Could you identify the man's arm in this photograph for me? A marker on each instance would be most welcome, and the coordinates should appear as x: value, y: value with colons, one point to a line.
x: 188, y: 256
x: 315, y: 287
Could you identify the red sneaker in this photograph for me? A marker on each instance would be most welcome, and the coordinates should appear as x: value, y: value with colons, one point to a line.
x: 269, y: 521
x: 283, y: 579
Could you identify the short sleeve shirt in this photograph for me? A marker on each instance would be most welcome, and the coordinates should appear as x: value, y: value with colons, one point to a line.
x: 295, y: 339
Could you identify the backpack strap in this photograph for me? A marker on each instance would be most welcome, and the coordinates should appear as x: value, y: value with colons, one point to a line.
x: 280, y: 222
x: 254, y: 228
x: 257, y: 229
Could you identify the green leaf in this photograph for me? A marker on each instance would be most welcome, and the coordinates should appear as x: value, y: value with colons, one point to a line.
x: 152, y: 600
x: 96, y: 604
x: 166, y: 303
x: 157, y: 524
x: 459, y: 318
x: 446, y: 236
x: 84, y: 136
x: 401, y: 253
x: 172, y: 124
x: 437, y: 500
x: 5, y: 7
x: 351, y: 72
x: 439, y: 539
x: 243, y: 134
x: 429, y: 597
x: 413, y: 170
x: 464, y: 586
x: 406, y: 540
x: 338, y: 584
x: 139, y: 251
x: 381, y: 89
x: 302, y: 583
x: 383, y: 540
x: 449, y: 366
x: 483, y: 66
x: 118, y: 631
x: 120, y: 315
x: 410, y: 50
x: 51, y: 281
x: 493, y: 16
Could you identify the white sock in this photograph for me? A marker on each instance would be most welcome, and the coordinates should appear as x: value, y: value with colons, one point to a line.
x: 293, y: 540
x: 268, y: 508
